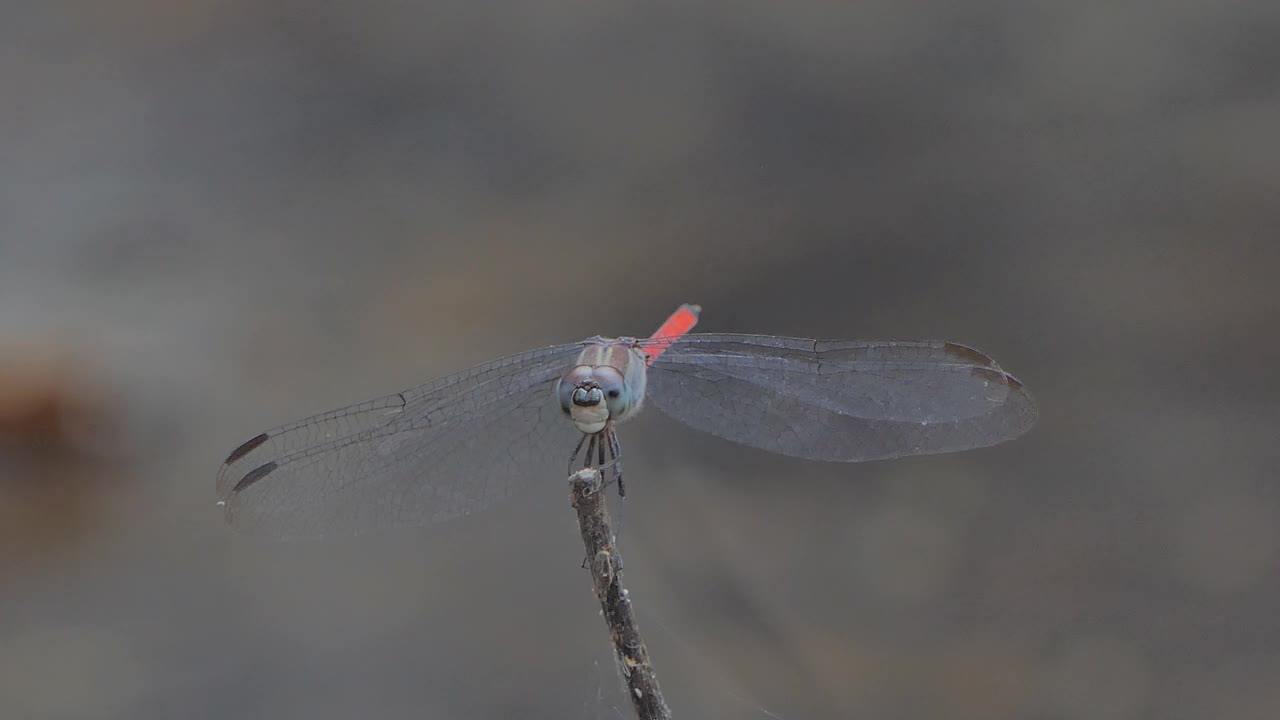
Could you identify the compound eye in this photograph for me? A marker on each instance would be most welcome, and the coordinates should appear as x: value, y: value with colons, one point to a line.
x: 616, y: 396
x: 569, y: 382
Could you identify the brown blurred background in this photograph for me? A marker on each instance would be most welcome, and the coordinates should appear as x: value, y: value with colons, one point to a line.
x: 216, y: 216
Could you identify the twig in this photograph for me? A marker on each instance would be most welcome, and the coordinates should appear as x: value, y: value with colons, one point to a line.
x: 606, y: 573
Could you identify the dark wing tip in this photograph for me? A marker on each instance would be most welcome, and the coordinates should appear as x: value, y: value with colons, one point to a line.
x: 228, y: 502
x: 1024, y: 412
x: 995, y: 375
x: 254, y: 476
x: 986, y: 366
x: 968, y: 354
x: 246, y: 447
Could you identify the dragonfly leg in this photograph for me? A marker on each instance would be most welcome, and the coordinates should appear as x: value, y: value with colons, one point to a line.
x: 591, y: 450
x: 574, y: 456
x: 607, y: 452
x: 615, y: 451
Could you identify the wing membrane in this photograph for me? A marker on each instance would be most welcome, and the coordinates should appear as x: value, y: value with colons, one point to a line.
x: 422, y: 456
x: 840, y: 400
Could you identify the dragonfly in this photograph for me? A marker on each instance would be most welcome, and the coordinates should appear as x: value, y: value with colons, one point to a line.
x: 461, y: 443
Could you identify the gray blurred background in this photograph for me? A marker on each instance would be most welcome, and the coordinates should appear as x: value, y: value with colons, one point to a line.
x: 218, y: 216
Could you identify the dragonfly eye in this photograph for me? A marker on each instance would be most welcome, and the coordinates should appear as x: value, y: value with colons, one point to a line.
x: 615, y: 389
x: 569, y: 385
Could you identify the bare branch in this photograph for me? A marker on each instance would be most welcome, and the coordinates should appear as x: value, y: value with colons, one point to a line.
x: 606, y: 573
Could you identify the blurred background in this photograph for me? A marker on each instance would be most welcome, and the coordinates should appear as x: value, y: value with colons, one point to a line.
x: 220, y: 215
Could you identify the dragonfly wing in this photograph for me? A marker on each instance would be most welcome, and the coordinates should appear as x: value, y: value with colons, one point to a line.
x: 840, y: 400
x: 428, y: 454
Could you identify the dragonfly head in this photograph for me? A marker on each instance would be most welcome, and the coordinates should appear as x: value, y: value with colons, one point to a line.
x: 592, y: 395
